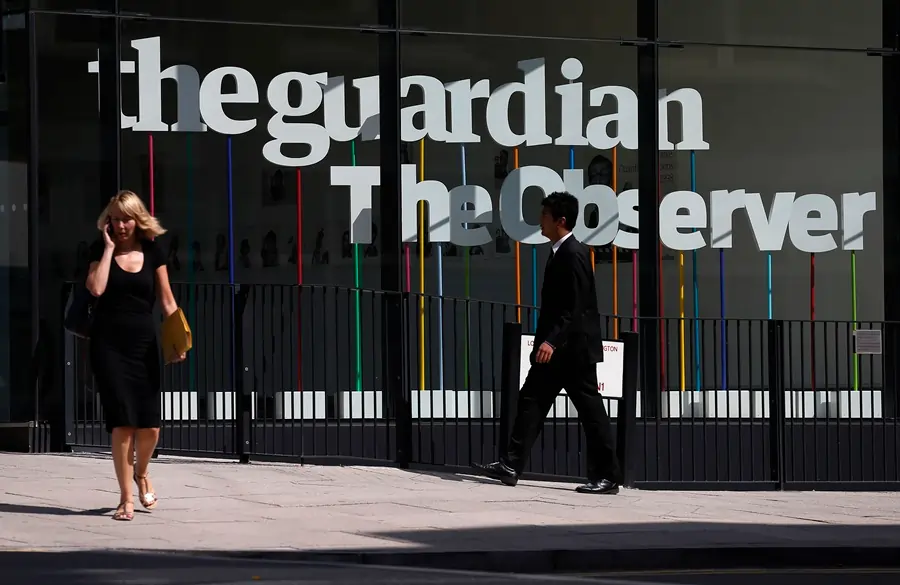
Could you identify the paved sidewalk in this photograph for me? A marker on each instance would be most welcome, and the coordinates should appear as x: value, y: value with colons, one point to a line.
x: 379, y: 515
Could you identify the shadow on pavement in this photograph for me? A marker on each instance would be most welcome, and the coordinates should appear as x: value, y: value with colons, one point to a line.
x: 51, y: 510
x: 625, y: 547
x: 113, y: 567
x: 171, y: 568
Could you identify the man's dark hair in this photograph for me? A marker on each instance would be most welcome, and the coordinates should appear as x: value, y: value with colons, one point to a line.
x: 562, y: 204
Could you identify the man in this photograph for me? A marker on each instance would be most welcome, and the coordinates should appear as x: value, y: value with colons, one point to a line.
x: 567, y: 346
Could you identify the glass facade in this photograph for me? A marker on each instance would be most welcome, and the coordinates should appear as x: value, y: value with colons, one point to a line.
x: 262, y: 136
x: 16, y: 331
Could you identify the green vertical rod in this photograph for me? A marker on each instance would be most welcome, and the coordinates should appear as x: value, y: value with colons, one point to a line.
x: 853, y: 300
x: 192, y: 298
x: 356, y: 285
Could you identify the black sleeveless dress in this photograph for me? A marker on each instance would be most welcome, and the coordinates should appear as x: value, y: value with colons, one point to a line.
x: 123, y: 348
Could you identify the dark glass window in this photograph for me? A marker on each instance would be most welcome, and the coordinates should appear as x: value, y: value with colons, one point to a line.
x: 580, y: 18
x: 333, y: 13
x: 15, y: 301
x: 801, y: 23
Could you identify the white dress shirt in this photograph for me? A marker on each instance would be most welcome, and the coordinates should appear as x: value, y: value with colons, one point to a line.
x: 559, y: 243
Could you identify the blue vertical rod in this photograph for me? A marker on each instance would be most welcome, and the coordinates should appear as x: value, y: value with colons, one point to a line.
x: 231, y: 267
x: 697, y: 370
x: 466, y: 278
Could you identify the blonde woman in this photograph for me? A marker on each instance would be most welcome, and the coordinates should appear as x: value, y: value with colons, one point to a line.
x: 127, y: 273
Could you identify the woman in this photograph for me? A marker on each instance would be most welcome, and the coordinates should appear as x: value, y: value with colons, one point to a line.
x: 127, y: 271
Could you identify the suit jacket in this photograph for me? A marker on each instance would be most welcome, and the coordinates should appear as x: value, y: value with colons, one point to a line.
x: 569, y: 319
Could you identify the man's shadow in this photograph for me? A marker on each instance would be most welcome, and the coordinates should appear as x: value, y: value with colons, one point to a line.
x: 51, y: 510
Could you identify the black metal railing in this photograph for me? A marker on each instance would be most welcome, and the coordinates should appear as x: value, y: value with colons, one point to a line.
x: 299, y: 372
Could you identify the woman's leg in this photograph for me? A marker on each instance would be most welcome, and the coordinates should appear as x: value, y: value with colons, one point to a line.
x: 145, y: 444
x: 123, y: 460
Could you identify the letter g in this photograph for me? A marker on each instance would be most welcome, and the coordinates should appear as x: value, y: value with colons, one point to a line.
x: 283, y: 132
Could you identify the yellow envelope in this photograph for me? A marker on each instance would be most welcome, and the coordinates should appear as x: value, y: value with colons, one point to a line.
x: 176, y: 336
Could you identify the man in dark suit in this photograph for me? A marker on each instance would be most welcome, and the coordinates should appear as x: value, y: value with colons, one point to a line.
x: 567, y: 346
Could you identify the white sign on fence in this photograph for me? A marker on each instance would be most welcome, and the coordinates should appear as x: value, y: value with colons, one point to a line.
x: 610, y: 371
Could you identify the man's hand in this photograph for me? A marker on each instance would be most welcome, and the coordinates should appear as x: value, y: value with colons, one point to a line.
x: 544, y: 353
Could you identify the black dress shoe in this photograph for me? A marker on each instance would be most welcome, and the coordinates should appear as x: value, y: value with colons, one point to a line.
x: 498, y: 470
x: 603, y: 487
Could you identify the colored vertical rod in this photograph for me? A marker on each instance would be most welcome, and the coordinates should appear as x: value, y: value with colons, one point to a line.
x: 696, y: 286
x: 356, y: 293
x: 408, y: 268
x: 152, y: 173
x: 634, y: 290
x: 855, y: 324
x: 534, y: 286
x: 769, y: 283
x: 421, y: 270
x: 466, y: 279
x: 659, y: 292
x: 192, y: 299
x: 812, y: 318
x: 230, y: 185
x: 723, y: 332
x: 299, y: 243
x: 615, y: 251
x: 518, y: 257
x: 440, y: 292
x: 681, y: 319
x: 408, y: 261
x: 682, y: 354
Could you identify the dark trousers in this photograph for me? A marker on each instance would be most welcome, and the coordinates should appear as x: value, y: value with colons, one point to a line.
x: 538, y: 393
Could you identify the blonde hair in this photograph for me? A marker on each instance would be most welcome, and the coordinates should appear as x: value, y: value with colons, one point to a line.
x: 131, y: 205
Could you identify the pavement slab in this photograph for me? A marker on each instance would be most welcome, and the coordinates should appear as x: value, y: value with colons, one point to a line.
x: 383, y: 515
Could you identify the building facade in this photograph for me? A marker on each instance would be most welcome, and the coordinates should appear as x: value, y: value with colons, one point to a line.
x: 281, y: 144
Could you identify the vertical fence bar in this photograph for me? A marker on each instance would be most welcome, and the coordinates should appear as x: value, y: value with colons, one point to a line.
x: 775, y: 330
x: 509, y: 380
x: 627, y: 416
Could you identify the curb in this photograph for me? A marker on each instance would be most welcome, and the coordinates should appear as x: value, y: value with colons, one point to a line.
x: 605, y: 560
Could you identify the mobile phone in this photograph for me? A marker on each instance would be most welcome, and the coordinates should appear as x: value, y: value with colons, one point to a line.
x: 109, y: 227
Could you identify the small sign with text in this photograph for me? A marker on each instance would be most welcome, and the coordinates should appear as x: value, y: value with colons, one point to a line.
x: 609, y: 372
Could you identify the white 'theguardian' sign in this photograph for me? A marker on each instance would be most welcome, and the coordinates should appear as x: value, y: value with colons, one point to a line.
x: 459, y: 214
x: 610, y: 372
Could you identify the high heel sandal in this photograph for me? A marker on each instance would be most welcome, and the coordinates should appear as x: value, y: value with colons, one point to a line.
x: 148, y: 499
x: 122, y: 514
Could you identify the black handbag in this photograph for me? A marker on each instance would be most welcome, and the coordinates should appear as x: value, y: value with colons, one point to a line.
x: 80, y: 312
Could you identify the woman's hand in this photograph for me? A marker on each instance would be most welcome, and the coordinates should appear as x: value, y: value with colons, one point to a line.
x: 107, y: 240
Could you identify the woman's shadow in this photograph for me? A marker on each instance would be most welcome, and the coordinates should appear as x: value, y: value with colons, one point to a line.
x: 51, y: 510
